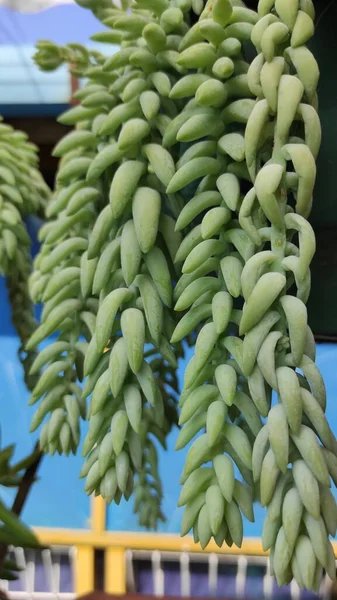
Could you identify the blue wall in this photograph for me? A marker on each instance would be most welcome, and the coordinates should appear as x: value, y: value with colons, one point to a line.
x: 57, y: 500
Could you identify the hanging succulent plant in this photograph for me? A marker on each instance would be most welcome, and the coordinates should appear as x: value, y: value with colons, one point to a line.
x: 180, y: 214
x: 22, y: 193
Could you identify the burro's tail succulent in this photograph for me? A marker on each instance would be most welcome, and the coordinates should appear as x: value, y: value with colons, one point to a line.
x: 181, y: 214
x: 23, y: 193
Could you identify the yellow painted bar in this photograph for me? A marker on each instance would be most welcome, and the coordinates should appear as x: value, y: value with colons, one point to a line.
x: 144, y: 541
x: 140, y: 541
x: 115, y: 570
x: 98, y: 515
x: 84, y: 571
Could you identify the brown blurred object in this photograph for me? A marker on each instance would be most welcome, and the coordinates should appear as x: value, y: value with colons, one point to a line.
x: 74, y: 86
x: 3, y: 595
x: 333, y: 593
x: 96, y: 596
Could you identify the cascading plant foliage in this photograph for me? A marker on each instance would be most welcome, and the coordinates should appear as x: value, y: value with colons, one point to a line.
x: 23, y: 192
x: 180, y: 215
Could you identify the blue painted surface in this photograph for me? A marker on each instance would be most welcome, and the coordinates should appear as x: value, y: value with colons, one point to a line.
x: 57, y: 499
x: 9, y: 111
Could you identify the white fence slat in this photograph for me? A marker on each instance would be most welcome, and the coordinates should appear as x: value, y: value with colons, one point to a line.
x: 130, y: 573
x: 51, y: 563
x: 56, y: 560
x: 185, y: 575
x: 241, y: 576
x: 158, y: 574
x: 268, y: 583
x: 213, y: 574
x: 295, y: 591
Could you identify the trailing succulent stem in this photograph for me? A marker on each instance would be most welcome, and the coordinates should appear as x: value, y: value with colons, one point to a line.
x: 180, y: 214
x: 22, y: 193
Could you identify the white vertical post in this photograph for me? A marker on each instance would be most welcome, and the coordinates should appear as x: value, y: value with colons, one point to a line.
x: 240, y: 582
x: 72, y: 552
x: 4, y: 584
x: 212, y: 574
x: 30, y: 577
x: 185, y: 575
x: 48, y: 567
x: 157, y: 574
x: 268, y: 583
x: 56, y: 573
x: 21, y: 562
x: 295, y: 591
x: 130, y: 575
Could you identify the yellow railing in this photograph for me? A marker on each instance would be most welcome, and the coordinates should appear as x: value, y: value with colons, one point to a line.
x: 115, y: 545
x: 141, y: 541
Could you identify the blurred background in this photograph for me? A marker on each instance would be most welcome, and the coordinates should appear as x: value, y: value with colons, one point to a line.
x: 93, y: 546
